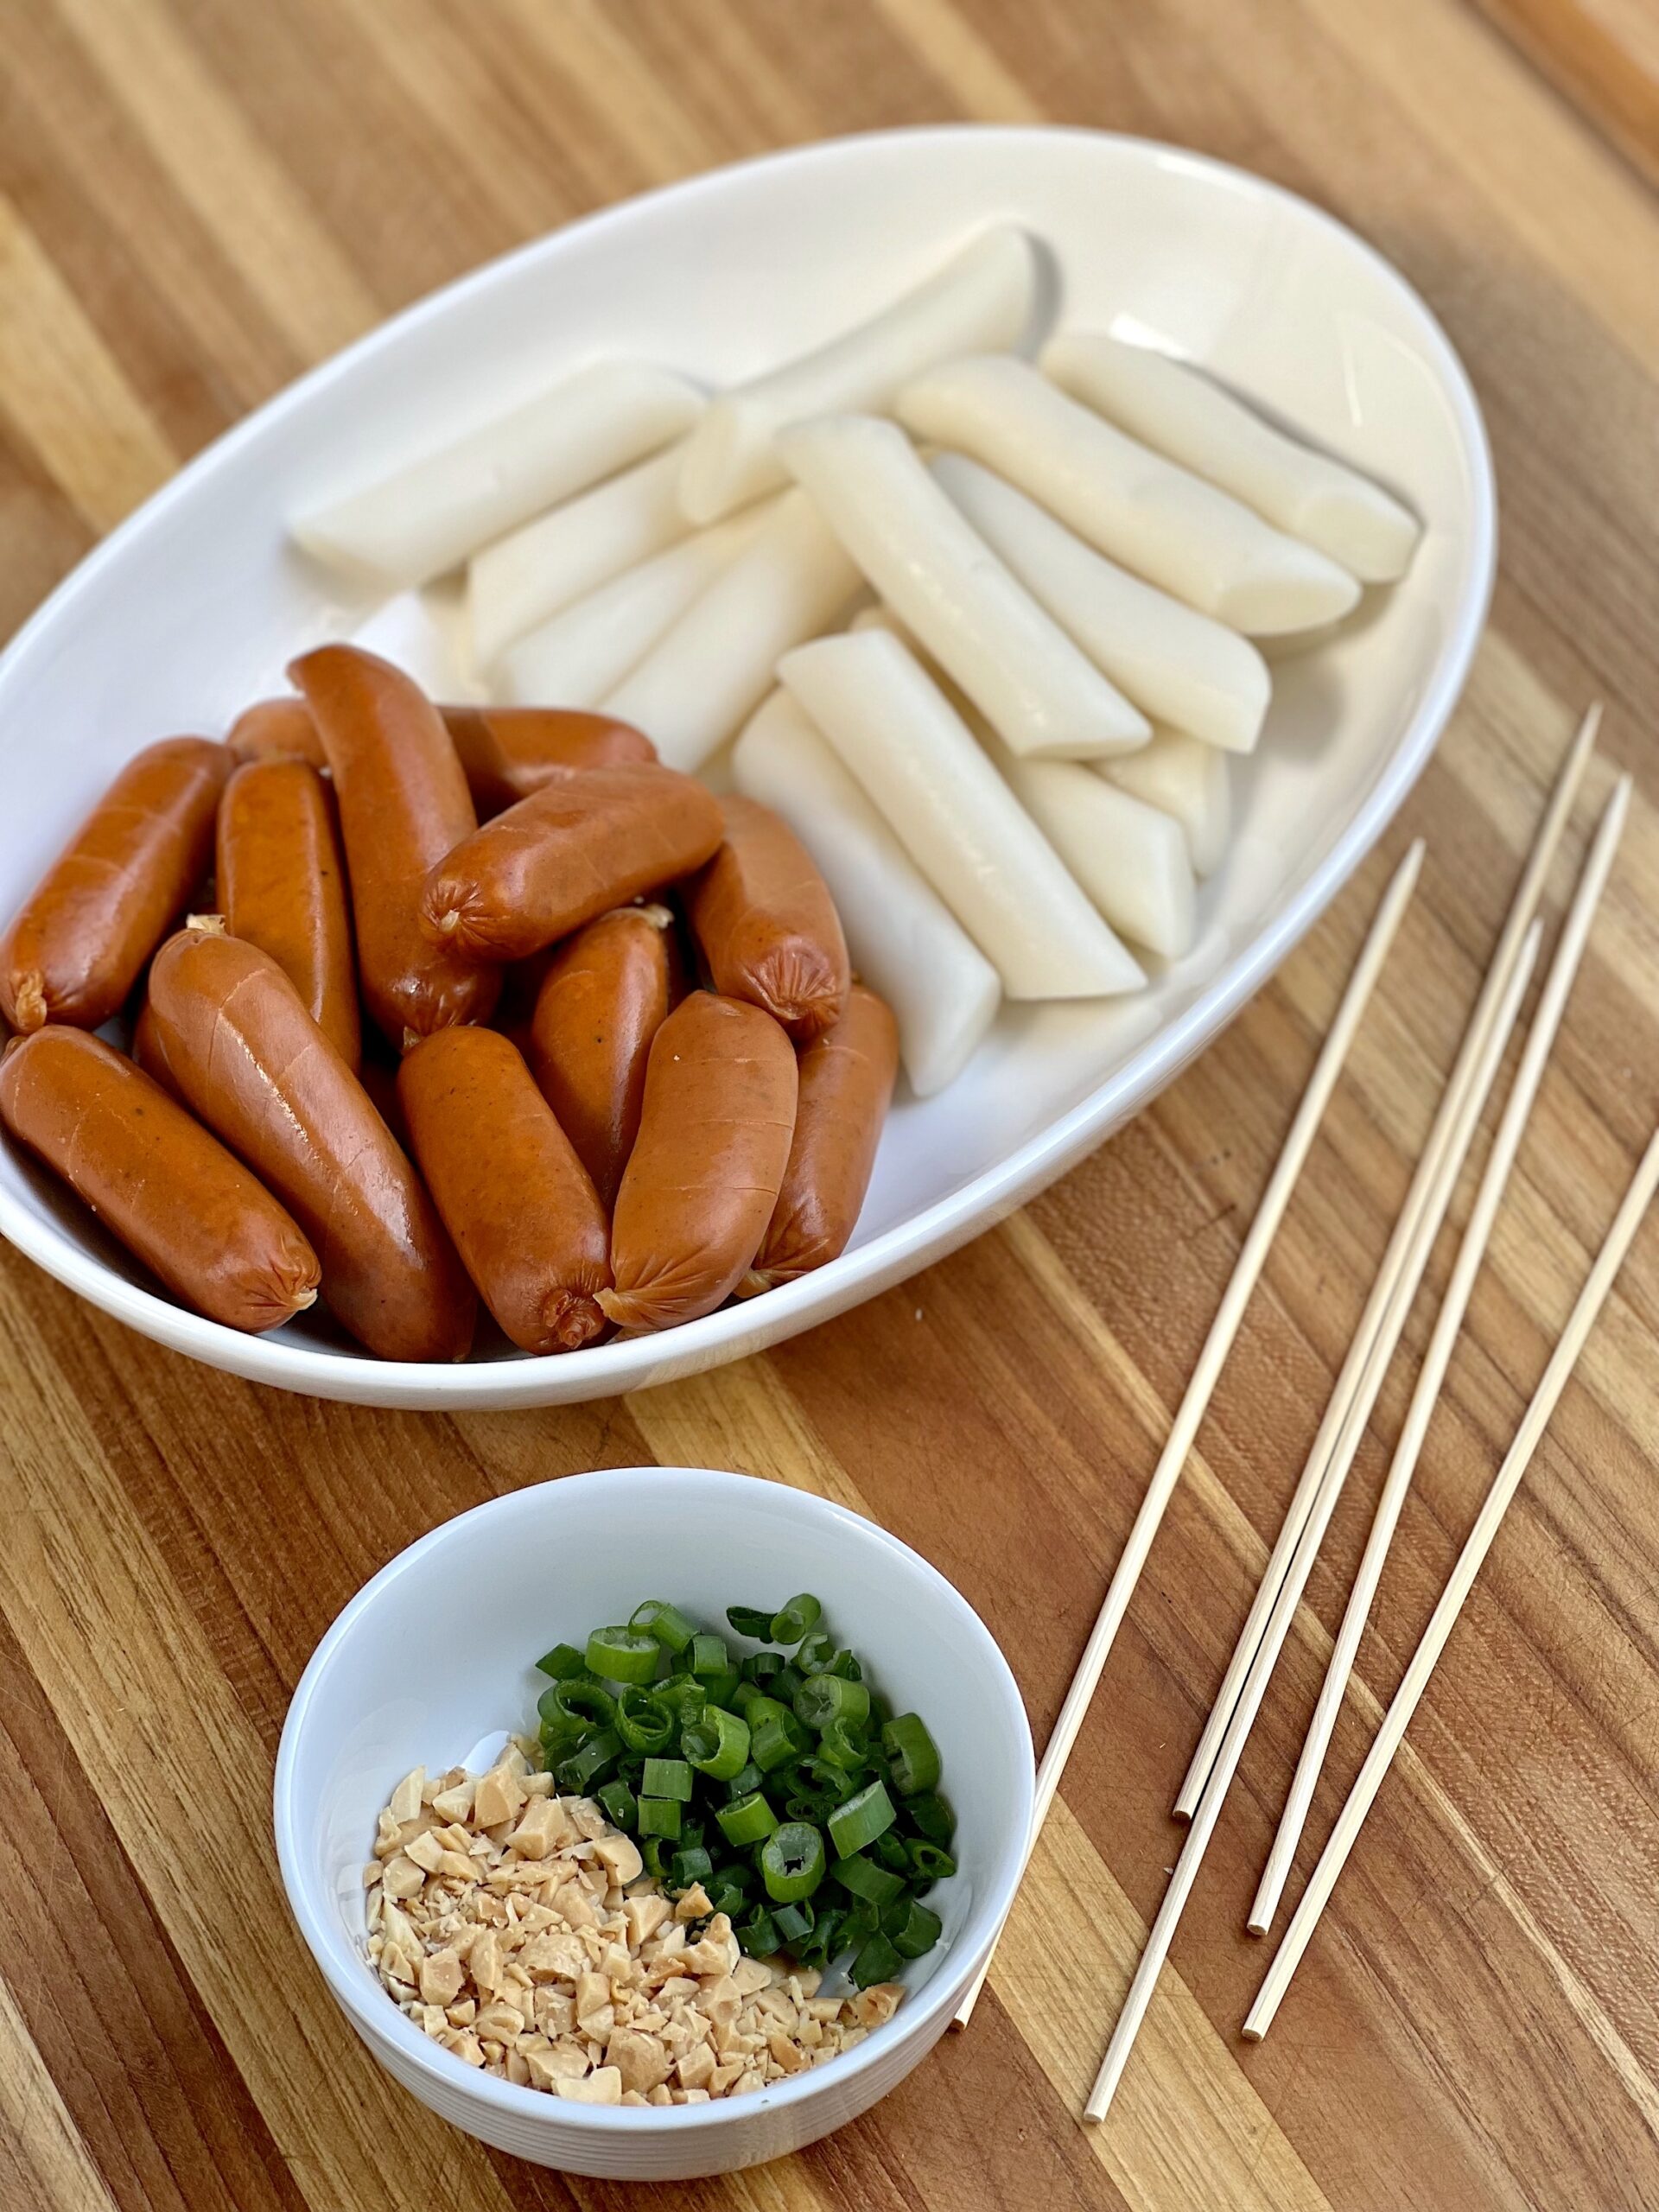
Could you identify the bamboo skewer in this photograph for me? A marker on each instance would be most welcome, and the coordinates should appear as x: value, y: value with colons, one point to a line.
x: 1504, y: 1484
x: 1523, y: 908
x: 1448, y: 1323
x: 1216, y: 1345
x: 1454, y: 1140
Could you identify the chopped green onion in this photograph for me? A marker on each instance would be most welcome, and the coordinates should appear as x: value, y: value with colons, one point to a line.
x: 792, y: 1861
x: 689, y: 1867
x: 826, y: 1939
x: 913, y: 1755
x: 684, y: 1696
x: 665, y: 1622
x: 759, y: 1937
x: 621, y: 1808
x: 823, y: 1698
x: 667, y: 1778
x: 861, y: 1878
x: 585, y: 1766
x: 863, y: 1919
x: 748, y: 1819
x: 622, y: 1654
x: 911, y: 1927
x: 643, y: 1721
x: 794, y: 1922
x: 573, y: 1708
x: 717, y: 1745
x: 861, y: 1819
x: 792, y: 1732
x: 660, y: 1816
x: 843, y: 1748
x: 726, y: 1892
x: 820, y: 1774
x: 932, y: 1815
x: 776, y: 1737
x: 877, y: 1961
x: 814, y: 1805
x: 561, y: 1732
x: 662, y: 1619
x: 749, y: 1620
x: 799, y: 1615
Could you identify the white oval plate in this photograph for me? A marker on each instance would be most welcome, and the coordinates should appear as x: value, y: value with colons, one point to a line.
x: 191, y: 607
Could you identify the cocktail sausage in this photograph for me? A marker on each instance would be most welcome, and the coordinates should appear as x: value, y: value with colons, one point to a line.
x: 255, y: 1067
x: 168, y: 1190
x: 126, y: 875
x: 601, y: 1001
x: 588, y: 840
x: 847, y: 1078
x: 766, y: 924
x: 508, y: 751
x: 281, y: 884
x: 505, y: 752
x: 403, y: 804
x: 277, y: 729
x: 519, y: 1202
x: 705, y: 1173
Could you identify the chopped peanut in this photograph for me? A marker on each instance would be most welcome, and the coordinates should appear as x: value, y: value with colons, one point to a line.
x: 496, y: 1920
x: 621, y: 1853
x: 640, y: 2059
x: 498, y: 1797
x: 602, y: 2087
x: 405, y: 1804
x: 543, y: 1826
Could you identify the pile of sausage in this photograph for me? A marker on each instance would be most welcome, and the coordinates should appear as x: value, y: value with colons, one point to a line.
x: 676, y: 1102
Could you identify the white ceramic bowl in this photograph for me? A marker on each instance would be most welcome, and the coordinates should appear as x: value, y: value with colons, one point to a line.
x: 548, y: 1564
x: 192, y: 607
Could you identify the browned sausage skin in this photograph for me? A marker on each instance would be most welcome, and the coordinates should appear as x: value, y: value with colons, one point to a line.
x: 519, y: 1202
x: 714, y: 1142
x: 403, y: 804
x: 504, y: 751
x: 585, y: 842
x: 150, y: 1054
x: 588, y: 840
x: 282, y: 886
x: 254, y: 1066
x: 76, y: 950
x: 766, y: 925
x: 171, y: 1192
x: 847, y: 1079
x: 508, y: 751
x: 601, y: 1001
x: 277, y: 729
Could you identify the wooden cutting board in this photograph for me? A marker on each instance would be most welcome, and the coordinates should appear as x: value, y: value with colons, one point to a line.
x: 198, y: 198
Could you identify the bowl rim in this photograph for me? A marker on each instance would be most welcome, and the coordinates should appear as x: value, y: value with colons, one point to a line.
x: 379, y: 2021
x: 603, y: 1369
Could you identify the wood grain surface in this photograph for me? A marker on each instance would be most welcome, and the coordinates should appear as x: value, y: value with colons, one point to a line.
x: 198, y: 198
